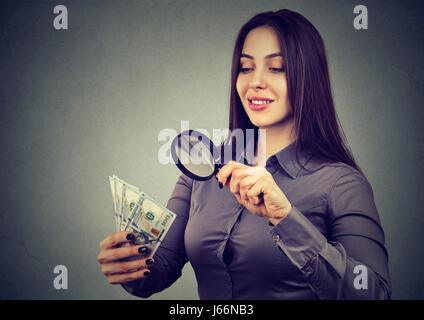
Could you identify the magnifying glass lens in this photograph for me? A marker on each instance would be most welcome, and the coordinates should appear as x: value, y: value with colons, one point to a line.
x: 193, y: 154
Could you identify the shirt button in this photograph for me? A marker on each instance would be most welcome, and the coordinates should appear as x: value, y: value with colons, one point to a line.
x: 276, y: 237
x: 226, y: 237
x: 308, y: 269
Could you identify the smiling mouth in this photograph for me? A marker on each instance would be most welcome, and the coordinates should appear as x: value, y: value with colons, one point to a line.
x: 257, y: 104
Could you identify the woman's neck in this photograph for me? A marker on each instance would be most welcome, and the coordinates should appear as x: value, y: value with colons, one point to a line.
x: 273, y: 139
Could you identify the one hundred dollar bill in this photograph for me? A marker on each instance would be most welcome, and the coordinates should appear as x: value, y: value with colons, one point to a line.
x: 146, y: 218
x: 150, y: 221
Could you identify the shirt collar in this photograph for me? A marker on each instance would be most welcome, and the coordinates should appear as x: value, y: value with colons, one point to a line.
x: 286, y: 159
x: 290, y: 163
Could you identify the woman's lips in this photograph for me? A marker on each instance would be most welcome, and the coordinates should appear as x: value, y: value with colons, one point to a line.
x: 259, y: 107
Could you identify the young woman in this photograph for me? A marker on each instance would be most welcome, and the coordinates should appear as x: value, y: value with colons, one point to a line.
x: 313, y: 233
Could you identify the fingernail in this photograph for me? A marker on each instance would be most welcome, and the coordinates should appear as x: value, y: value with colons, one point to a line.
x: 146, y: 273
x: 142, y: 250
x: 220, y: 185
x: 149, y: 262
x: 130, y: 237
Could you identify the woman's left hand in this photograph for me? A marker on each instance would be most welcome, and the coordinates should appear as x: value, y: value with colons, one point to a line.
x: 247, y: 183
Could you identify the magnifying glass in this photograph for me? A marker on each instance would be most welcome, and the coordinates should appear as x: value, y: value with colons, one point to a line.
x: 197, y: 156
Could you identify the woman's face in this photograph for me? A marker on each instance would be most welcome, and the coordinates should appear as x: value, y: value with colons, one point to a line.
x: 261, y: 83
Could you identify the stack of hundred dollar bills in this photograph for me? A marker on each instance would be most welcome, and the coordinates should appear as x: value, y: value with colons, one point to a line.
x: 138, y: 213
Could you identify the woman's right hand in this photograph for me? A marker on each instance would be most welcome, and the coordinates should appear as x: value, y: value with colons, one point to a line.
x: 113, y: 249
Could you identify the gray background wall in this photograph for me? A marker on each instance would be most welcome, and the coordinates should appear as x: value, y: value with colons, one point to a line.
x: 80, y: 104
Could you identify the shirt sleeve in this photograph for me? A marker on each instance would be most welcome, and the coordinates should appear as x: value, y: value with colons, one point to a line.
x: 170, y: 257
x: 353, y: 262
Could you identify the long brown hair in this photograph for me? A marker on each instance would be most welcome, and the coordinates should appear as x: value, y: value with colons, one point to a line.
x: 308, y: 83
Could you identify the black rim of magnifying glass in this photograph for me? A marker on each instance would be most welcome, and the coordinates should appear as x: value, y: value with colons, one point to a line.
x: 207, y: 142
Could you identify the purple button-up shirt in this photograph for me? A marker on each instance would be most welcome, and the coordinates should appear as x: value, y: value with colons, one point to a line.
x: 330, y: 246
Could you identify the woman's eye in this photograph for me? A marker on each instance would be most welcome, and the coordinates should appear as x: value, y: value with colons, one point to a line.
x: 245, y: 70
x: 277, y: 69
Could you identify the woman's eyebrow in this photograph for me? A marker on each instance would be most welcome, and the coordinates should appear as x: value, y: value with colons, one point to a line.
x: 272, y: 55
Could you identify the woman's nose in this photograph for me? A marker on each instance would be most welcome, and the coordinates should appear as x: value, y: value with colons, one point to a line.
x: 257, y: 81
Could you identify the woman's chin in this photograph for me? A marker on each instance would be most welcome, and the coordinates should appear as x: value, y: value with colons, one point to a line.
x: 261, y: 123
